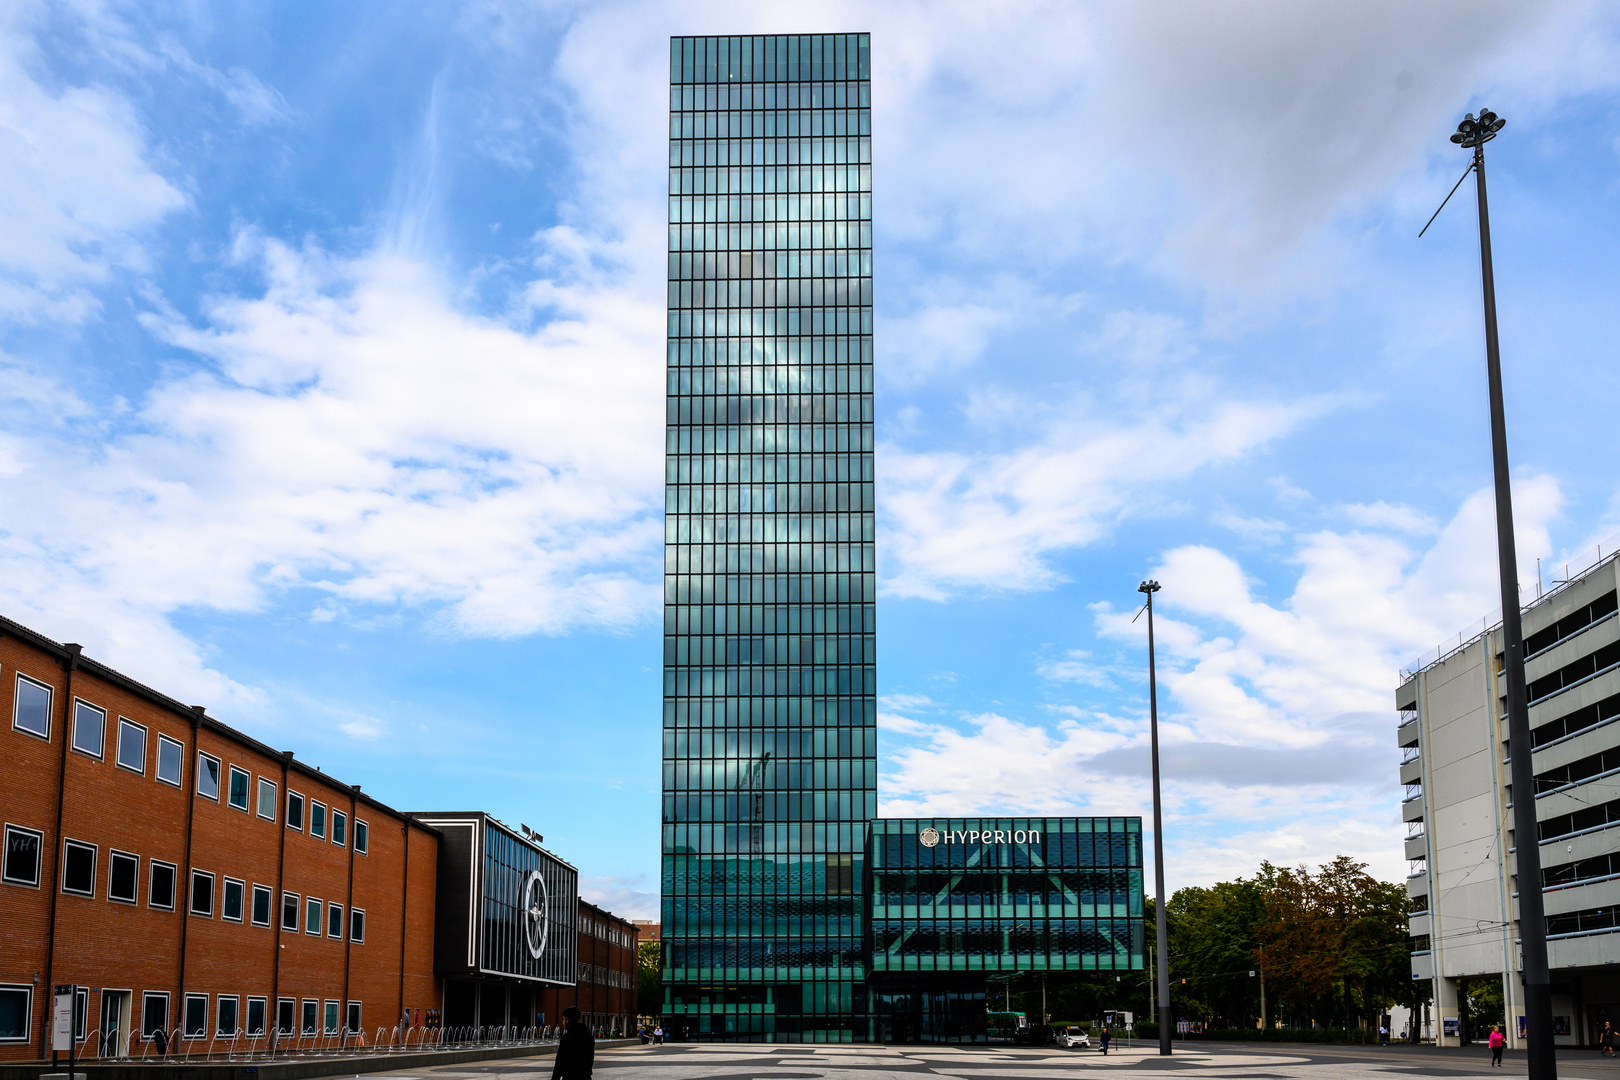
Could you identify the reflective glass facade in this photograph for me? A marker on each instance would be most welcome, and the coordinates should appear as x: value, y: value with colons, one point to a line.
x: 769, y: 679
x: 1006, y: 894
x: 511, y: 933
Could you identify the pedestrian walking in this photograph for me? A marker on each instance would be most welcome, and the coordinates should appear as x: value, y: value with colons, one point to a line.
x: 1606, y: 1039
x: 1497, y: 1042
x: 576, y: 1050
x: 1104, y: 1041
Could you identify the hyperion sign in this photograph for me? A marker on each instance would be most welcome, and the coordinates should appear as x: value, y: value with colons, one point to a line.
x: 931, y: 837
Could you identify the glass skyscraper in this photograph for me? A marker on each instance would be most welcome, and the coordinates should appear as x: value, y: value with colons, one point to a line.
x: 770, y: 742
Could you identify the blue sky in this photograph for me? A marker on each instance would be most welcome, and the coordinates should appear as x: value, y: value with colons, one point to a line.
x: 331, y: 356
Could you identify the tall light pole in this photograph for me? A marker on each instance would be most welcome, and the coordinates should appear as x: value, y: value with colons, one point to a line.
x: 1163, y: 936
x: 1472, y: 134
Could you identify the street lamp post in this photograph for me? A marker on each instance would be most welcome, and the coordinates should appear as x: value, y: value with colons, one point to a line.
x: 1473, y: 133
x: 1162, y: 936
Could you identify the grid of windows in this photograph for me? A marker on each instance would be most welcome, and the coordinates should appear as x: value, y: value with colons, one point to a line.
x: 769, y: 665
x: 1010, y: 894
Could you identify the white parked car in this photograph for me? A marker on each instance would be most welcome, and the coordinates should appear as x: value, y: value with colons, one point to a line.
x: 1073, y: 1037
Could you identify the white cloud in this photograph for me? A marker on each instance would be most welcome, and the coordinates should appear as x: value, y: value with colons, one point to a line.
x: 938, y: 336
x: 77, y: 194
x: 358, y: 436
x: 1256, y: 530
x: 1076, y: 666
x: 628, y: 896
x: 1269, y: 713
x: 1287, y: 492
x: 956, y: 520
x: 1383, y: 515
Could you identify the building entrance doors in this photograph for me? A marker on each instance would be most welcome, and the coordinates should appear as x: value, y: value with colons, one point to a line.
x: 115, y: 1023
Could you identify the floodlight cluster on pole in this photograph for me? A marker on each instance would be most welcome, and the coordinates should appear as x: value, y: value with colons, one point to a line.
x: 1472, y: 134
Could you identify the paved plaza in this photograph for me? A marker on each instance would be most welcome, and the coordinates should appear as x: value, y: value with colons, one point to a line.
x: 807, y: 1062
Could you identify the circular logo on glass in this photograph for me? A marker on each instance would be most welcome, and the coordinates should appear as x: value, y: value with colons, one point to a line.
x: 929, y: 837
x: 536, y: 922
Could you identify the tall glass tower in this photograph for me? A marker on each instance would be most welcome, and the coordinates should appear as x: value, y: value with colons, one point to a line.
x: 770, y: 742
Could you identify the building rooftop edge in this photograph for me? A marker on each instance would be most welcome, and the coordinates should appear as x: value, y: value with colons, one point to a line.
x: 39, y: 641
x: 487, y: 816
x: 1493, y: 622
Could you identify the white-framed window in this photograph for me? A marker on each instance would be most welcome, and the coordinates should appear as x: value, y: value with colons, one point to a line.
x: 331, y: 1019
x: 81, y: 1012
x: 169, y: 756
x: 202, y: 893
x: 160, y: 881
x: 31, y: 709
x: 21, y: 861
x: 312, y: 1017
x: 123, y: 876
x: 16, y: 1012
x: 317, y: 819
x: 231, y: 900
x: 357, y: 925
x: 334, y: 921
x: 261, y: 905
x: 255, y: 1015
x: 353, y: 1019
x: 340, y: 828
x: 196, y: 1016
x: 236, y: 791
x: 78, y: 868
x: 208, y: 776
x: 295, y: 811
x: 362, y: 836
x: 267, y: 799
x: 89, y: 728
x: 229, y: 1015
x: 131, y: 746
x: 286, y: 1015
x: 289, y: 911
x: 154, y: 1013
x: 312, y: 916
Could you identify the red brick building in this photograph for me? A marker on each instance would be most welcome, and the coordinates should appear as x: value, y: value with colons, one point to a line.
x: 606, y: 991
x: 190, y: 878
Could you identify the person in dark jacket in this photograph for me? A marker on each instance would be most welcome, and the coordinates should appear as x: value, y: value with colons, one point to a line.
x: 576, y: 1050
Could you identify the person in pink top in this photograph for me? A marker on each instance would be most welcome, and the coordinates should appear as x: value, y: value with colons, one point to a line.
x: 1497, y: 1041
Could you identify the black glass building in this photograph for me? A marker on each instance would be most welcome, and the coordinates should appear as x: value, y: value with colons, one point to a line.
x: 769, y: 689
x: 504, y: 921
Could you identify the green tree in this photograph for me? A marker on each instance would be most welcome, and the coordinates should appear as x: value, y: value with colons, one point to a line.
x: 649, y: 978
x: 1214, y: 933
x: 1334, y: 943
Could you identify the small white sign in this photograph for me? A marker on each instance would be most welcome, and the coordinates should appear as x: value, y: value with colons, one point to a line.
x: 62, y: 1018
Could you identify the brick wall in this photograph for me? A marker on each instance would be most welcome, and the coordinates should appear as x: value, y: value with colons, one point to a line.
x: 606, y: 991
x: 108, y: 945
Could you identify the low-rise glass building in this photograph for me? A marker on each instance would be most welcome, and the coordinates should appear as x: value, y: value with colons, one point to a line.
x: 955, y: 899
